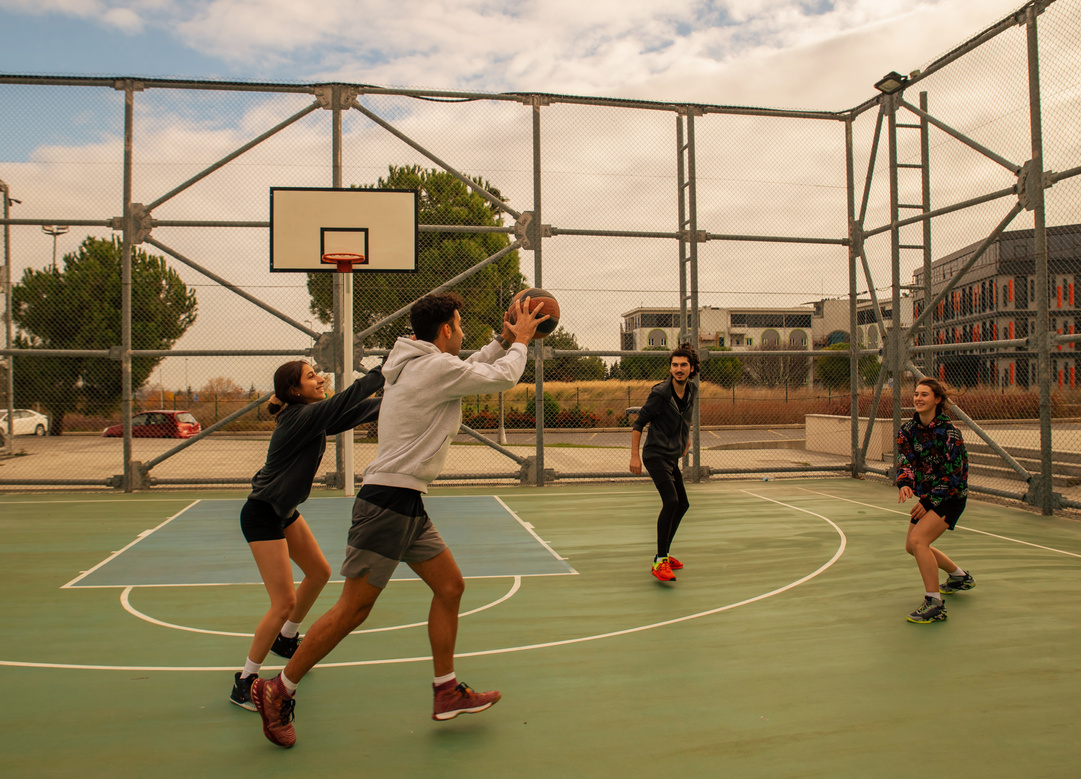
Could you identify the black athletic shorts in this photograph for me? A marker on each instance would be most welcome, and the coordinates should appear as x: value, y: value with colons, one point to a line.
x: 259, y: 522
x: 949, y: 510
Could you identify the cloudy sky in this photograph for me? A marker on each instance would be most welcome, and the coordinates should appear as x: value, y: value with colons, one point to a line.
x: 60, y: 149
x: 805, y: 53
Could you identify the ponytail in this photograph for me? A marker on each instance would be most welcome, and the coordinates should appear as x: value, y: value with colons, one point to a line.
x: 286, y: 380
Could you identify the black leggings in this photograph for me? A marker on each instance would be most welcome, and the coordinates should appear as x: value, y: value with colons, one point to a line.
x: 669, y: 482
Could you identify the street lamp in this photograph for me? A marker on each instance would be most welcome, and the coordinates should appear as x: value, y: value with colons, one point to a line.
x: 54, y: 231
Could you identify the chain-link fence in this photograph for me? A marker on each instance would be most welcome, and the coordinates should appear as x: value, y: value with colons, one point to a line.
x: 819, y: 260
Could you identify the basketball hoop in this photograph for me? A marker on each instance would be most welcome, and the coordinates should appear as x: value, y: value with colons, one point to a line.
x: 344, y: 260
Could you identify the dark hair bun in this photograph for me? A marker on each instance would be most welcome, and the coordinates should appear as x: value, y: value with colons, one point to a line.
x: 274, y: 406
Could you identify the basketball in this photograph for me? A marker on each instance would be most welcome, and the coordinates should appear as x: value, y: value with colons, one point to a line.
x: 544, y: 300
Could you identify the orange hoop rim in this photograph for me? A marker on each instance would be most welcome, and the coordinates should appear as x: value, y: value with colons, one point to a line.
x: 344, y: 260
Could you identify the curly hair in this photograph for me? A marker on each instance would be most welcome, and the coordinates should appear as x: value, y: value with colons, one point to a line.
x: 686, y: 350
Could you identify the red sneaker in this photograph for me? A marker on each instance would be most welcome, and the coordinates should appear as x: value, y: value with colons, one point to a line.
x: 275, y: 707
x: 450, y: 701
x: 663, y: 570
x: 676, y: 564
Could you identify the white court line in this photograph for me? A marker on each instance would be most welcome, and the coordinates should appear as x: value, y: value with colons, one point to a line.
x: 126, y: 603
x: 333, y: 581
x: 593, y: 494
x: 398, y: 660
x: 87, y: 500
x: 959, y: 527
x: 529, y: 529
x: 138, y: 538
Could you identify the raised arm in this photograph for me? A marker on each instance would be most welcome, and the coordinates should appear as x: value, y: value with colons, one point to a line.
x: 348, y: 408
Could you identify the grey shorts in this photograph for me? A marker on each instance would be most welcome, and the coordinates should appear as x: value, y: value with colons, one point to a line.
x: 390, y: 526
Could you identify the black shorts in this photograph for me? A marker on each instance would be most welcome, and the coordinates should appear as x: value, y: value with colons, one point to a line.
x: 949, y: 510
x: 259, y: 522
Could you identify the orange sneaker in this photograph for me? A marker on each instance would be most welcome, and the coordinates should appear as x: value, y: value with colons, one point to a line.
x: 663, y: 570
x: 676, y: 564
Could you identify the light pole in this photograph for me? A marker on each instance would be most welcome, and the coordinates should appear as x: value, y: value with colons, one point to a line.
x: 54, y: 231
x: 6, y: 201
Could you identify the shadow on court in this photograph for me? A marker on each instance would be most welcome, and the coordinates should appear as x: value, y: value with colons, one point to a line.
x: 781, y: 651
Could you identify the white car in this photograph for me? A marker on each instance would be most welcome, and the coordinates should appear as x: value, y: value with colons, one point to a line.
x: 27, y: 422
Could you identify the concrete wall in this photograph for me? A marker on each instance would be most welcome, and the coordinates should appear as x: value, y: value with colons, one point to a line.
x: 831, y: 435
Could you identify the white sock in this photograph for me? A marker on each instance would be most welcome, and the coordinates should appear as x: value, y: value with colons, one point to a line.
x: 444, y: 679
x: 250, y: 668
x: 291, y: 687
x: 290, y: 629
x: 934, y: 595
x: 958, y: 574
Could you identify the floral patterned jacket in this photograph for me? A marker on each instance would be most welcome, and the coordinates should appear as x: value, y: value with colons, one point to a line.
x: 932, y: 460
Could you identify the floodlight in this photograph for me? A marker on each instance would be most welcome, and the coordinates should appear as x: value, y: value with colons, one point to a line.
x: 54, y: 231
x: 891, y: 82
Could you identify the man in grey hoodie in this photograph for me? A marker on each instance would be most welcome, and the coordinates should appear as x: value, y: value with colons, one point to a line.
x: 420, y: 415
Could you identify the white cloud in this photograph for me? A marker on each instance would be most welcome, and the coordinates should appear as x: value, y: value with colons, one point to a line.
x: 124, y: 19
x: 604, y: 48
x: 757, y: 52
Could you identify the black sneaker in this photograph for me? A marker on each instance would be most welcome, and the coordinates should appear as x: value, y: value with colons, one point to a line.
x: 285, y: 647
x: 957, y: 584
x: 932, y: 610
x: 241, y: 694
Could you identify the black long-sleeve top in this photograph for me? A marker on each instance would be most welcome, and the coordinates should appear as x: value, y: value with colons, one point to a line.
x: 669, y: 425
x: 300, y: 439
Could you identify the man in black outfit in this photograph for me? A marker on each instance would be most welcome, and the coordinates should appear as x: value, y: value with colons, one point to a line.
x: 668, y: 411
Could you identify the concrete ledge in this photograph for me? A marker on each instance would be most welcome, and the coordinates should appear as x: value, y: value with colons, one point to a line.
x: 832, y: 435
x: 776, y: 443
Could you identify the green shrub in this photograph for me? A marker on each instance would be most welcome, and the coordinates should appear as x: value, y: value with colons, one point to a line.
x: 551, y: 408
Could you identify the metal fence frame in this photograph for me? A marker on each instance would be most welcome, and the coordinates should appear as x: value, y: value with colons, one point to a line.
x: 899, y: 352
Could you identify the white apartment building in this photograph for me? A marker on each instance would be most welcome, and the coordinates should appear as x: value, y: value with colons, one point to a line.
x: 821, y: 323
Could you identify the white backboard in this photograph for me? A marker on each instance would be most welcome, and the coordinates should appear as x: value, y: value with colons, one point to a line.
x: 306, y: 223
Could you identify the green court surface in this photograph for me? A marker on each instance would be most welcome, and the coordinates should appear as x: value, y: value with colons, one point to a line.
x: 781, y: 651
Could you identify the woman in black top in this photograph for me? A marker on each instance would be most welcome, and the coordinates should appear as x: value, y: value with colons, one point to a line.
x: 272, y: 525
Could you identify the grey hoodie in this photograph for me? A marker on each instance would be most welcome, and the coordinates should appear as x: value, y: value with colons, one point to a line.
x: 422, y: 406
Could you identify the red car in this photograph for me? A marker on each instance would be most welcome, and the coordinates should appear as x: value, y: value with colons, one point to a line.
x: 158, y: 424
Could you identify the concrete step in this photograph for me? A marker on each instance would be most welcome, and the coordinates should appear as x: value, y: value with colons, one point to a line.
x: 993, y: 460
x: 1019, y: 453
x: 773, y: 443
x: 1060, y: 480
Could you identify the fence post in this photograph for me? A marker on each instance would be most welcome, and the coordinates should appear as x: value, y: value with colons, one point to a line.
x: 125, y: 288
x: 1044, y: 496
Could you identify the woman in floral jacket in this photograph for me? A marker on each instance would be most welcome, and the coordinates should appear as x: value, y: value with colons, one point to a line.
x: 933, y: 467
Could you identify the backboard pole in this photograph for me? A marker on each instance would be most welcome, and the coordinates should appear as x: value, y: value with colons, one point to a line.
x: 343, y: 284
